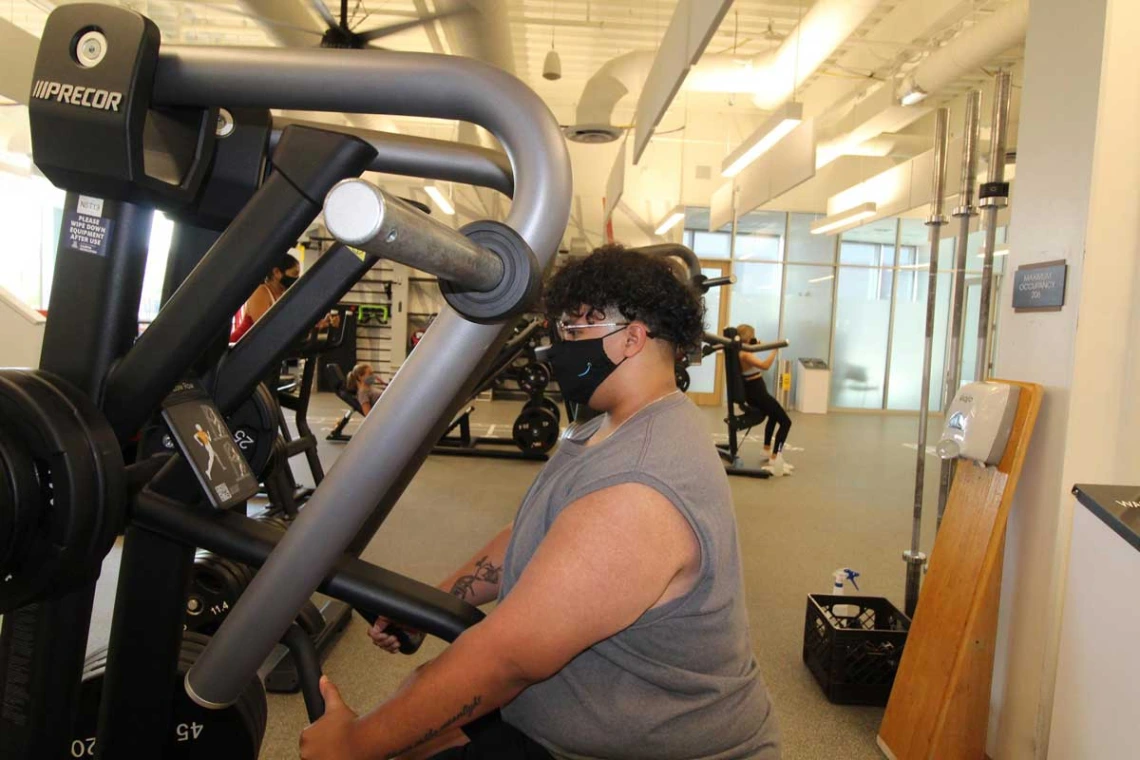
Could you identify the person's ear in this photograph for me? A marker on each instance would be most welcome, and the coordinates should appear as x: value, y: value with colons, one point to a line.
x: 636, y: 336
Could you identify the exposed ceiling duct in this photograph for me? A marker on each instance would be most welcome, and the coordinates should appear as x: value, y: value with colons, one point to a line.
x: 613, y: 81
x: 969, y: 50
x: 771, y: 78
x: 825, y: 27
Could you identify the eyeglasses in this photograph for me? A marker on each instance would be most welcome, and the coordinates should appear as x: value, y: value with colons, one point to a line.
x: 564, y: 328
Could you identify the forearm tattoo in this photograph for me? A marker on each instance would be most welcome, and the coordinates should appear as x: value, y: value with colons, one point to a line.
x: 484, y: 571
x: 460, y: 717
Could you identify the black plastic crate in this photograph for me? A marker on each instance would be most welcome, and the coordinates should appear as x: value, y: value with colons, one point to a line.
x: 854, y: 658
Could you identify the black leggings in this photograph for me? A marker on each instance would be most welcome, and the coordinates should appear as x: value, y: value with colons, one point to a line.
x: 759, y: 398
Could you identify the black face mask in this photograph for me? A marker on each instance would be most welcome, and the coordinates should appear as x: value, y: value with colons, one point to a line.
x: 287, y: 281
x: 581, y: 366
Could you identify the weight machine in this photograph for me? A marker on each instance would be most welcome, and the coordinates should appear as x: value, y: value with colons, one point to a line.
x: 741, y: 416
x: 136, y: 126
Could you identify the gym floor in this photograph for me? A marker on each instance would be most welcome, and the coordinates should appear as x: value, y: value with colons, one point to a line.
x: 849, y: 504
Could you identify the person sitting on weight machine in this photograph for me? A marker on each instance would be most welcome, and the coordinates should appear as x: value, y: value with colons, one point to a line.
x: 621, y: 628
x: 779, y: 423
x: 366, y: 384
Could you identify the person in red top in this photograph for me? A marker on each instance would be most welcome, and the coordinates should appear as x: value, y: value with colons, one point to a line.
x: 280, y: 277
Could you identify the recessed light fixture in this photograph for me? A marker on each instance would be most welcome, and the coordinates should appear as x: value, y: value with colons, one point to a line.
x: 670, y: 221
x: 844, y: 219
x: 784, y: 120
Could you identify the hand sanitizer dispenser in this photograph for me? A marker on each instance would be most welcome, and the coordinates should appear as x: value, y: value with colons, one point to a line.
x: 979, y: 421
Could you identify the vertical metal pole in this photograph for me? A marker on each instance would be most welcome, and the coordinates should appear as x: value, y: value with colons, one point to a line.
x: 914, y: 558
x: 994, y: 195
x: 962, y: 212
x: 891, y: 313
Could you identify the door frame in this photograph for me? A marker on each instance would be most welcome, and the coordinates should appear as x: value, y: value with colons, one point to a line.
x: 716, y: 398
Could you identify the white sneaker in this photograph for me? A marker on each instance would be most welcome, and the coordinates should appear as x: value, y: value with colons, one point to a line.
x: 775, y: 468
x: 778, y: 464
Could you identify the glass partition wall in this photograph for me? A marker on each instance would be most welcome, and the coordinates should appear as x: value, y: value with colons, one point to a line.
x: 856, y: 300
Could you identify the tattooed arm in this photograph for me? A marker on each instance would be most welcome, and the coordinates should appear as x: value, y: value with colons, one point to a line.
x: 477, y: 582
x: 607, y: 559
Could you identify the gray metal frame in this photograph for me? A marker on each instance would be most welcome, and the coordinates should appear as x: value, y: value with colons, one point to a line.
x: 417, y: 403
x: 422, y: 157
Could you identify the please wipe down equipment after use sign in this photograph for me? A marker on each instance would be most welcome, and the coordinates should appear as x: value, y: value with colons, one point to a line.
x: 86, y: 229
x: 1040, y: 287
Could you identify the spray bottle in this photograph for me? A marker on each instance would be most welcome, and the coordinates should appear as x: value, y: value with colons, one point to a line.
x: 839, y: 577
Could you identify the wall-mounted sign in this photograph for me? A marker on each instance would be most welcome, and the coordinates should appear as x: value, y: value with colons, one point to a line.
x: 1040, y: 287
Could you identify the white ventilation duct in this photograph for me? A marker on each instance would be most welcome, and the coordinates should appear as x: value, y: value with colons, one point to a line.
x: 771, y: 78
x: 969, y: 50
x: 821, y: 31
x: 617, y: 77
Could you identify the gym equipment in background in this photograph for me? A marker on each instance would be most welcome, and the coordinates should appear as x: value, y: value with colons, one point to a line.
x: 742, y: 417
x: 939, y: 706
x: 537, y: 427
x: 92, y: 350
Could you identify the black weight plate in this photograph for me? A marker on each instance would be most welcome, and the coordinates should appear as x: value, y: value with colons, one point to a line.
x: 535, y: 430
x: 545, y: 403
x: 111, y: 501
x: 19, y: 503
x: 213, y: 592
x: 534, y: 377
x: 67, y: 477
x: 254, y: 425
x: 234, y: 733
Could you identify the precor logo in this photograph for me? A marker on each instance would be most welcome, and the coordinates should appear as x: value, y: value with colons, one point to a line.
x: 76, y: 95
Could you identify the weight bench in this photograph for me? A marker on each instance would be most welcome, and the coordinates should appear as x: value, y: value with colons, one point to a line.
x: 334, y: 375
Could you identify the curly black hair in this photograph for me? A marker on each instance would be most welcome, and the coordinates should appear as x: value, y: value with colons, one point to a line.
x: 640, y: 286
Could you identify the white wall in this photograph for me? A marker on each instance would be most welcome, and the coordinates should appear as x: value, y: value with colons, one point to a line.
x: 1094, y: 712
x: 1078, y: 178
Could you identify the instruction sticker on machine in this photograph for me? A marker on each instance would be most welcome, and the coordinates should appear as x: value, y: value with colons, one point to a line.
x: 89, y: 234
x: 205, y: 440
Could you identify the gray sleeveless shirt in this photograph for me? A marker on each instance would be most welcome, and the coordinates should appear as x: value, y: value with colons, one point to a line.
x: 680, y: 683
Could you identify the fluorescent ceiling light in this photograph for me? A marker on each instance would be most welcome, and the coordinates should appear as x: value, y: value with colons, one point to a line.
x: 670, y: 221
x: 823, y: 279
x: 844, y: 219
x: 440, y: 200
x: 784, y: 120
x: 998, y: 252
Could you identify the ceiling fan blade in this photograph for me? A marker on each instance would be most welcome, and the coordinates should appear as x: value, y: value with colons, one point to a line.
x: 323, y: 11
x: 385, y: 31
